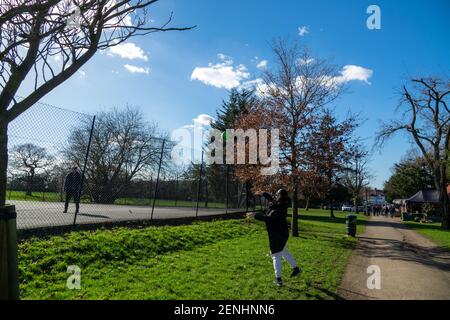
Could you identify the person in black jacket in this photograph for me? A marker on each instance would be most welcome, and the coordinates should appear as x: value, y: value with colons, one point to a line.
x: 278, y: 231
x: 72, y: 188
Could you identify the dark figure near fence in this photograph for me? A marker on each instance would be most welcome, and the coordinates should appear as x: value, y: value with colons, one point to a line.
x: 72, y: 188
x: 392, y: 210
x: 278, y: 230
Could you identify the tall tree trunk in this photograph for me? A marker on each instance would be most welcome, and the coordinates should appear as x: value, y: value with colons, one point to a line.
x: 30, y: 180
x: 3, y: 159
x: 446, y: 210
x: 295, y: 211
x: 206, y: 192
x: 331, y: 208
x: 307, y: 204
x: 443, y: 195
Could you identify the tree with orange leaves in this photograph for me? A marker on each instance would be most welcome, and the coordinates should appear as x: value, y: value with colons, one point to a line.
x: 327, y: 151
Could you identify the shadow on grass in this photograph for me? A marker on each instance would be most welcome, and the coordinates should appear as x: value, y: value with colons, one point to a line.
x: 337, y: 241
x: 425, y: 226
x: 328, y: 293
x: 325, y: 292
x: 317, y: 218
x: 320, y: 218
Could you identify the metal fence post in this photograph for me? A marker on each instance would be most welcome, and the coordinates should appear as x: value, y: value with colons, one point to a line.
x: 157, y: 177
x: 86, y: 158
x: 199, y: 185
x: 226, y: 188
x: 9, y: 280
x: 150, y: 190
x: 176, y: 190
x: 246, y: 196
x: 206, y: 187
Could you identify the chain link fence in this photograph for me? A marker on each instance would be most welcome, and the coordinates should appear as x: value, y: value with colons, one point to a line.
x: 69, y: 168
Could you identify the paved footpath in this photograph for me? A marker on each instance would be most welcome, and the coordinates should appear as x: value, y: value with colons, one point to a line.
x: 412, y: 267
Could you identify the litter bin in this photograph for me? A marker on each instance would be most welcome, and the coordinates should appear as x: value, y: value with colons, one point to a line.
x: 351, y: 224
x: 9, y: 284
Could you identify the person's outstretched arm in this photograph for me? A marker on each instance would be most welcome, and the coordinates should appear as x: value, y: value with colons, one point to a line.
x: 268, y: 196
x: 276, y: 215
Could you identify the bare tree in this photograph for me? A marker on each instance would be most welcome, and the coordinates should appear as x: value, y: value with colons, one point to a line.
x: 292, y: 93
x: 426, y: 119
x: 33, y: 32
x: 357, y: 175
x: 30, y: 159
x: 123, y: 147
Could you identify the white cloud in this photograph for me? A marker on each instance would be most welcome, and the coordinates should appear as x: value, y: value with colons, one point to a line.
x: 221, y: 75
x: 123, y: 19
x: 225, y: 58
x: 303, y: 31
x: 128, y: 51
x: 203, y: 120
x: 262, y: 64
x: 259, y: 85
x: 348, y: 73
x: 352, y: 73
x: 136, y: 69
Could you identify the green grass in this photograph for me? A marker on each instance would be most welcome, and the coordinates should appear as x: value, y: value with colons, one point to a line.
x: 56, y: 197
x: 167, y: 203
x: 205, y: 260
x: 36, y: 196
x: 433, y: 231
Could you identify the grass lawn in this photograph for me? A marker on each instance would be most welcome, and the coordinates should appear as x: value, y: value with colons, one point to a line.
x: 36, y: 196
x: 433, y: 231
x: 56, y: 197
x: 167, y: 203
x: 205, y: 260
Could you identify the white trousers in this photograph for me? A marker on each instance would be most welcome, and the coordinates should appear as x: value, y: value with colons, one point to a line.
x: 276, y: 257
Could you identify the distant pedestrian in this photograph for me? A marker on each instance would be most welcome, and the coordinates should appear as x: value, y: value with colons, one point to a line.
x: 278, y: 230
x: 72, y: 188
x: 392, y: 210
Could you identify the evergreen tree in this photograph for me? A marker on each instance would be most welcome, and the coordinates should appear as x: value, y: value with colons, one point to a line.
x: 238, y: 104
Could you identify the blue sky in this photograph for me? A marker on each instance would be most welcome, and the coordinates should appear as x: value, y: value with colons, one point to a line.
x: 413, y: 40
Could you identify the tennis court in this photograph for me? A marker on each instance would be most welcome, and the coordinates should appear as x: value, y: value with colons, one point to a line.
x: 34, y: 214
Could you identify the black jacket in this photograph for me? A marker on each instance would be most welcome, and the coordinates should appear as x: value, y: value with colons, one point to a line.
x: 276, y: 224
x: 72, y: 182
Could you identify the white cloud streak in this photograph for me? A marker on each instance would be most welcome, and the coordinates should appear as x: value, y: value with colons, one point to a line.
x: 302, y: 31
x: 262, y: 64
x: 136, y: 69
x: 221, y: 75
x: 355, y: 73
x: 128, y: 51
